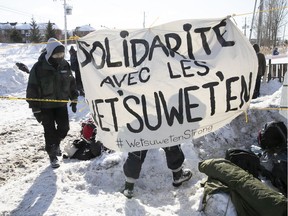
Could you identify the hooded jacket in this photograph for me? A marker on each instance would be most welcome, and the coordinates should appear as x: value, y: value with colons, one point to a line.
x: 50, y: 47
x: 49, y: 82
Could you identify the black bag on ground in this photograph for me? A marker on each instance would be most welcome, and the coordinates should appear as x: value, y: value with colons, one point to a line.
x: 244, y: 159
x: 279, y: 173
x: 275, y: 169
x: 87, y: 150
x: 88, y: 146
x: 272, y: 138
x: 273, y: 135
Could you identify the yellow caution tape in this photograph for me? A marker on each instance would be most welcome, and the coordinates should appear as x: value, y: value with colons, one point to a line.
x: 37, y: 99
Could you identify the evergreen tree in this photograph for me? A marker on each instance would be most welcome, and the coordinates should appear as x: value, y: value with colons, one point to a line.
x: 50, y: 31
x: 15, y: 36
x: 35, y: 35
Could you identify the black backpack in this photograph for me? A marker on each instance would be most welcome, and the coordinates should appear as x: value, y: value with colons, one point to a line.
x: 244, y: 159
x: 273, y: 135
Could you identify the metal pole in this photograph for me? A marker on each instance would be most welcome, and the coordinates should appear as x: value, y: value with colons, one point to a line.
x: 252, y: 20
x: 65, y: 26
x: 259, y: 31
x: 284, y: 33
x: 245, y: 26
x: 144, y: 20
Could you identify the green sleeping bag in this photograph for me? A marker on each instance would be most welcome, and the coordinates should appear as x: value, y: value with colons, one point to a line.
x: 250, y: 196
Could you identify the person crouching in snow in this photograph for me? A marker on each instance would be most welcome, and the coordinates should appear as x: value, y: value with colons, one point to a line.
x: 51, y: 78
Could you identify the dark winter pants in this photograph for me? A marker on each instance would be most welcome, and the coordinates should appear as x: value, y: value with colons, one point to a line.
x: 56, y: 126
x: 133, y: 164
x: 257, y: 87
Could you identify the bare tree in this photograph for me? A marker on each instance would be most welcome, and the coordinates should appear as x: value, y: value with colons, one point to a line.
x: 269, y: 23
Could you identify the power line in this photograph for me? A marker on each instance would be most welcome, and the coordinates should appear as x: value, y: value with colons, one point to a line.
x: 13, y: 11
x: 6, y: 9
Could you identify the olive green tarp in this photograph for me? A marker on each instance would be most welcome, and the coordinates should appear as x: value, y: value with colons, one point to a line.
x: 250, y: 196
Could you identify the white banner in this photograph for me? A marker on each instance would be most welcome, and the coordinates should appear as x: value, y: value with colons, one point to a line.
x: 162, y: 86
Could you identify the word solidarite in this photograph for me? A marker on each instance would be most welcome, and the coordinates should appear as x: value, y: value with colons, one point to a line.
x: 131, y: 49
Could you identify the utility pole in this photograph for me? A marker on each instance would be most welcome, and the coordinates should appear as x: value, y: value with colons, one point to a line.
x: 144, y: 20
x: 245, y: 26
x: 252, y: 20
x: 65, y: 27
x: 260, y: 20
x: 67, y: 11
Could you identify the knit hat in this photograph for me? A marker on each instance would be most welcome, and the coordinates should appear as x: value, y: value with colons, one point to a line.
x: 58, y: 49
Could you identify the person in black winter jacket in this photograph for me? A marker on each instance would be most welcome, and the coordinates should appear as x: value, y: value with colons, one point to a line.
x: 51, y: 80
x: 261, y: 70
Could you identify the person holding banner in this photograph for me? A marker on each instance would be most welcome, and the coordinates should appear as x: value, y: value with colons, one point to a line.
x: 51, y: 79
x: 261, y: 70
x: 75, y: 67
x: 133, y: 164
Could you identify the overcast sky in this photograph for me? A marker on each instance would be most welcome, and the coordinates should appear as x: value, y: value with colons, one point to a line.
x: 124, y: 13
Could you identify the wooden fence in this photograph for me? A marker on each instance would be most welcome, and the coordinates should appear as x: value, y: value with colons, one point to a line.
x: 275, y: 70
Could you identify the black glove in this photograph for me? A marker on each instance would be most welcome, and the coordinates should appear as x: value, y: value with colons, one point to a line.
x: 73, y: 107
x: 38, y: 115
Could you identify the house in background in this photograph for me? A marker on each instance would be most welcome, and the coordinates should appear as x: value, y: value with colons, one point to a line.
x: 6, y: 26
x: 5, y: 29
x: 83, y: 30
x: 25, y: 31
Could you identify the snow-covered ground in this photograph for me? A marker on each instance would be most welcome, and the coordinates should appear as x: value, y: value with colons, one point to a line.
x: 30, y: 187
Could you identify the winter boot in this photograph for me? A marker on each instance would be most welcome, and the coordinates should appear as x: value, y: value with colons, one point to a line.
x: 52, y: 151
x: 128, y: 190
x: 54, y: 162
x: 181, y: 176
